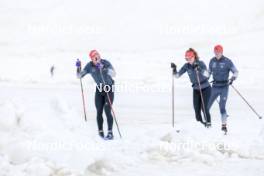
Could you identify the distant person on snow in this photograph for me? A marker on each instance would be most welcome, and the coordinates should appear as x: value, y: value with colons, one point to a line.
x: 198, y: 75
x: 95, y: 67
x: 52, y: 68
x: 220, y: 67
x: 79, y: 66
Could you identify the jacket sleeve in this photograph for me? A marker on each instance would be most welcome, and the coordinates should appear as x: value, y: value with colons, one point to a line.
x: 182, y: 71
x: 210, y: 69
x: 110, y: 69
x: 233, y: 69
x: 204, y: 70
x: 86, y: 70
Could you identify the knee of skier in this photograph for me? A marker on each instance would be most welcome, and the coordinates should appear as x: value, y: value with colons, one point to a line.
x: 107, y: 105
x: 99, y: 111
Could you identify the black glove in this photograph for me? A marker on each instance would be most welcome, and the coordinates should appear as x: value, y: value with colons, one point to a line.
x: 174, y: 68
x: 231, y: 80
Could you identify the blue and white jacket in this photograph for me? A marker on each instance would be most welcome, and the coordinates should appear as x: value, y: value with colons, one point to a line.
x: 107, y: 69
x: 202, y: 74
x: 220, y: 70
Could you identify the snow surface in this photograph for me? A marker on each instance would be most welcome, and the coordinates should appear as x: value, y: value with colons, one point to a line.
x: 42, y: 128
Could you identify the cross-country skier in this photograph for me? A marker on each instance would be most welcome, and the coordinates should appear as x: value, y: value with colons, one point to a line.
x: 52, y: 68
x: 102, y: 72
x: 79, y: 66
x: 198, y: 75
x: 220, y: 67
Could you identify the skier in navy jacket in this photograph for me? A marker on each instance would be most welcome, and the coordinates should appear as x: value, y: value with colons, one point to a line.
x: 220, y: 67
x: 102, y: 72
x: 198, y: 75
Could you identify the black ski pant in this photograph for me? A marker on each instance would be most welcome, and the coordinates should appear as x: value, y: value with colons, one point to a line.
x: 79, y: 69
x: 198, y: 106
x: 102, y: 103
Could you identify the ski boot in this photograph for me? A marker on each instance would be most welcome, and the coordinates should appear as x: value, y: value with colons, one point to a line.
x: 109, y: 136
x: 208, y: 125
x: 202, y: 122
x: 224, y: 128
x: 101, y: 133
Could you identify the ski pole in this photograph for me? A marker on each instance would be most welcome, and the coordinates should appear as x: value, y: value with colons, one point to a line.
x: 111, y: 106
x: 246, y: 101
x: 200, y: 89
x: 172, y: 91
x: 85, y: 118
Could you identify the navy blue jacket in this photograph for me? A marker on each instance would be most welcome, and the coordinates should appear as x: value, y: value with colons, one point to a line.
x: 220, y: 70
x: 202, y: 74
x: 107, y: 71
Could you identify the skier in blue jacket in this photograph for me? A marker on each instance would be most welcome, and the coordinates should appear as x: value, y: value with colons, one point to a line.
x: 102, y: 72
x: 220, y: 67
x: 198, y: 75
